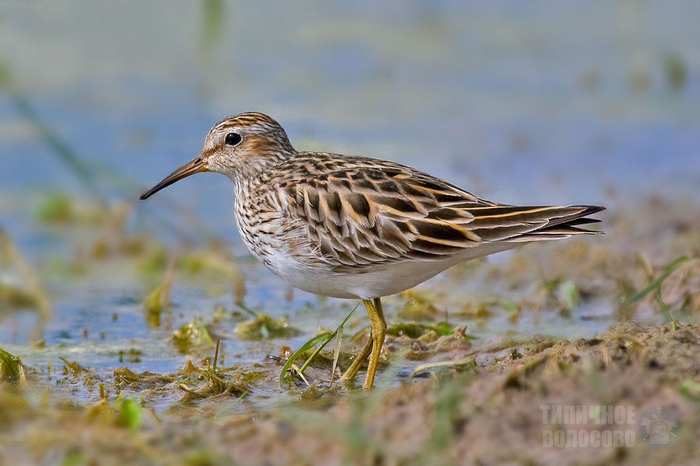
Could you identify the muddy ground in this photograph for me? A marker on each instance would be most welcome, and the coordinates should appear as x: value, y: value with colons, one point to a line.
x: 451, y: 390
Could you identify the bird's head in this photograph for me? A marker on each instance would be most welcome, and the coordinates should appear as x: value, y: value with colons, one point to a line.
x: 239, y: 146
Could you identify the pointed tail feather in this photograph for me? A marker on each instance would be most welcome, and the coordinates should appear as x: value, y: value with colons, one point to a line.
x: 532, y: 223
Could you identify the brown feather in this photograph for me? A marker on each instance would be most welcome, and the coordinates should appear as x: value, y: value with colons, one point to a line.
x: 390, y: 212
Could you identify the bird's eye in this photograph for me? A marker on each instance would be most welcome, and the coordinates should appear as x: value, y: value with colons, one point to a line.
x: 233, y: 138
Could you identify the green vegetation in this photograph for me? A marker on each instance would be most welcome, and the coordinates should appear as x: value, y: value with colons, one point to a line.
x: 11, y: 369
x: 193, y: 334
x: 264, y: 326
x: 321, y: 340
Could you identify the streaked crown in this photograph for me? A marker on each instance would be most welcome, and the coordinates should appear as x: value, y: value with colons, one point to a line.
x: 244, y: 144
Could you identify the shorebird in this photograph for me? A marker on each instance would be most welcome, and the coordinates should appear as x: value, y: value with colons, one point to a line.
x: 358, y: 227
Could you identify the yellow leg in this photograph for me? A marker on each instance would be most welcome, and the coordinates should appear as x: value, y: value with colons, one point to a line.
x: 359, y: 359
x: 376, y: 316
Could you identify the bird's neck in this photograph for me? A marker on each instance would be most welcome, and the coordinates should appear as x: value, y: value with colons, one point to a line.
x: 256, y: 172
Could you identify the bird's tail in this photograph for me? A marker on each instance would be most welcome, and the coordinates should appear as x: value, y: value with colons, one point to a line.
x: 531, y: 223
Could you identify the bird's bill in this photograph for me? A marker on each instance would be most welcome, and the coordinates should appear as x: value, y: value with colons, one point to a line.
x: 196, y: 165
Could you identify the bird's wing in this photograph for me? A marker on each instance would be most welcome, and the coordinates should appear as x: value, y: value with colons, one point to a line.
x: 369, y: 212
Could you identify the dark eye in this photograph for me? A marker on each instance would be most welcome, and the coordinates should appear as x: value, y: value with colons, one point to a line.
x: 232, y: 139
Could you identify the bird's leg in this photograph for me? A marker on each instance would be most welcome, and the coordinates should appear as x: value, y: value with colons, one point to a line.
x: 359, y: 359
x: 376, y: 316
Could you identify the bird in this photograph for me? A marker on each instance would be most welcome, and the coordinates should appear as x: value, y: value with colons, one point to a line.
x: 358, y: 227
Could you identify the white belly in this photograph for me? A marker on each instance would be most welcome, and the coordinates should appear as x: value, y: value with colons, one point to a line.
x: 374, y: 281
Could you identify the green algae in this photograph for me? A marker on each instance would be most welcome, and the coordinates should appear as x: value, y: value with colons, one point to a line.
x: 30, y: 293
x: 675, y: 70
x: 417, y: 329
x: 87, y: 376
x: 11, y: 369
x: 215, y: 385
x: 55, y: 208
x: 125, y: 377
x: 59, y: 208
x: 14, y: 297
x: 158, y: 298
x: 264, y: 326
x: 193, y: 334
x: 690, y: 389
x: 72, y: 367
x: 132, y: 355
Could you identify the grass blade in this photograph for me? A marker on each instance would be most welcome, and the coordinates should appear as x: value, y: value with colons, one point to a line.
x: 323, y: 345
x: 306, y: 346
x: 59, y: 147
x: 656, y: 283
x: 324, y: 338
x: 336, y: 353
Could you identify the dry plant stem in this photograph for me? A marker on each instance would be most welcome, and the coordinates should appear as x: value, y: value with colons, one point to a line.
x: 115, y: 221
x: 216, y: 353
x: 336, y: 354
x: 296, y: 369
x: 170, y: 271
x: 28, y: 275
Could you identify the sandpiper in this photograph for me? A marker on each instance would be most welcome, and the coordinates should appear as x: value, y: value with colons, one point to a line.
x: 358, y: 227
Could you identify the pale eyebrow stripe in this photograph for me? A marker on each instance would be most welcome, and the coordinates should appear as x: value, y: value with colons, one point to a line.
x: 254, y: 128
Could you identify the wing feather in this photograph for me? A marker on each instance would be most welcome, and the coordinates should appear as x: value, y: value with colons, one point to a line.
x: 362, y: 212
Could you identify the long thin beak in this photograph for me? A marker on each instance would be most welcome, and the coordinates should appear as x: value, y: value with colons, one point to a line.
x: 196, y: 165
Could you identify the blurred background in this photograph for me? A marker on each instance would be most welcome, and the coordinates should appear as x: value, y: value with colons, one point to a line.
x: 591, y: 102
x: 527, y: 102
